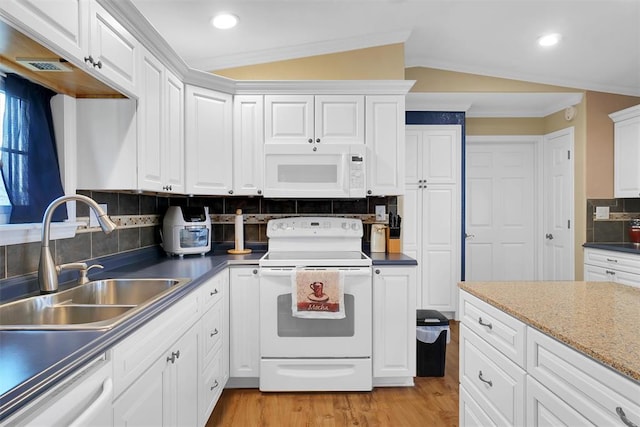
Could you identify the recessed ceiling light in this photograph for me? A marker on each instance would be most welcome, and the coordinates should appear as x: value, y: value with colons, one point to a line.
x: 224, y: 21
x: 549, y: 39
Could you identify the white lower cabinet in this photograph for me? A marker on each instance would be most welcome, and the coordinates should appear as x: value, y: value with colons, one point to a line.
x: 84, y: 399
x: 172, y: 371
x: 555, y: 386
x: 244, y: 309
x: 611, y: 266
x: 394, y: 325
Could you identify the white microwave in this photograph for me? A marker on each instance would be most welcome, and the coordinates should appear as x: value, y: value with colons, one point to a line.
x: 333, y: 171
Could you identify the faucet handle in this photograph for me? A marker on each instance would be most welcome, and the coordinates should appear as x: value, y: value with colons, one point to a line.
x: 84, y: 273
x: 71, y: 266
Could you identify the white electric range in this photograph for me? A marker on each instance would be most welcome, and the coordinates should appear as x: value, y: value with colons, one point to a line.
x: 315, y: 354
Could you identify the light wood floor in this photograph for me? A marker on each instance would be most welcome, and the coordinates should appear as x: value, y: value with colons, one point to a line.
x: 432, y: 402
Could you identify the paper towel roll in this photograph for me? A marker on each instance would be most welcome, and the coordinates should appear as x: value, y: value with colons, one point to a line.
x: 239, y: 238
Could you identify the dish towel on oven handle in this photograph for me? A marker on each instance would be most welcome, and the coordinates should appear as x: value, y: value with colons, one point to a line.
x: 317, y: 294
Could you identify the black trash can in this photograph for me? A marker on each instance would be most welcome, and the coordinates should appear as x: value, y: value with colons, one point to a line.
x: 432, y: 329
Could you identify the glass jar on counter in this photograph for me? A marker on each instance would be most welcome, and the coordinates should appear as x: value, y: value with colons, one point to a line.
x: 634, y: 231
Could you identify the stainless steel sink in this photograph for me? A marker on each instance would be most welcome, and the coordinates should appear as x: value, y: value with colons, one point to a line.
x: 100, y: 304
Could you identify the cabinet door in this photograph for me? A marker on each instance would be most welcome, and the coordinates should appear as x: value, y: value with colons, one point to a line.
x: 440, y: 155
x: 208, y: 142
x: 440, y: 254
x: 289, y: 119
x: 626, y: 158
x: 248, y: 141
x: 244, y: 312
x: 113, y: 49
x: 173, y: 133
x: 61, y: 25
x: 394, y: 336
x: 149, y: 116
x: 413, y: 157
x: 181, y: 393
x: 142, y: 403
x: 385, y: 145
x: 339, y: 119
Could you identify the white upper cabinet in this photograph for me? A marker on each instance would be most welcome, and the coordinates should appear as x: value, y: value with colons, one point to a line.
x: 84, y: 33
x: 113, y: 51
x: 160, y: 128
x: 248, y: 141
x: 385, y: 145
x: 208, y: 142
x: 626, y: 183
x: 308, y: 119
x: 60, y: 24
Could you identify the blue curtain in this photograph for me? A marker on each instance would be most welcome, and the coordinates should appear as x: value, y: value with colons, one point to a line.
x: 29, y: 159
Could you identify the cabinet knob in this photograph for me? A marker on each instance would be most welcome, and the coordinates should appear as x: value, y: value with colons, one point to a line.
x: 259, y: 191
x: 548, y: 236
x: 230, y: 191
x: 377, y: 271
x: 317, y: 139
x: 310, y: 140
x: 98, y: 64
x: 255, y: 271
x: 315, y: 148
x: 369, y: 192
x: 88, y: 59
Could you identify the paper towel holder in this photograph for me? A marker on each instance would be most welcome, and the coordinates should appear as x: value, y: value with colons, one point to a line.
x: 239, y: 236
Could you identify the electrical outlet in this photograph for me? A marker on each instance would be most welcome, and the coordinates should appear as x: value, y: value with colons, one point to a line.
x: 381, y: 212
x: 93, y: 219
x: 602, y: 212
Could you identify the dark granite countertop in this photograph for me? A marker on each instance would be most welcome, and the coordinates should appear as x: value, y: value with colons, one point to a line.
x: 33, y: 361
x: 619, y: 247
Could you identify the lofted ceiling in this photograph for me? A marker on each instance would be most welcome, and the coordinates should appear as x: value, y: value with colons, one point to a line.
x: 599, y: 50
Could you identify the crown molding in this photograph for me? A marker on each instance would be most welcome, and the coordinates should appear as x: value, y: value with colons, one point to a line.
x: 355, y: 87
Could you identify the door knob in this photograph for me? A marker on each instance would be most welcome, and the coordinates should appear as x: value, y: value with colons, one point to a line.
x: 549, y: 236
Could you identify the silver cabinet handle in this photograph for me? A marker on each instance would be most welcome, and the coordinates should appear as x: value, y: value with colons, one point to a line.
x: 612, y: 260
x: 613, y: 273
x: 483, y: 380
x: 469, y: 236
x: 488, y: 325
x: 548, y: 236
x: 215, y: 291
x: 214, y: 333
x: 624, y: 418
x: 215, y: 384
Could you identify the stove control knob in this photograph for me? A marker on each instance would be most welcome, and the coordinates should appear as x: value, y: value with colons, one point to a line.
x: 345, y: 226
x: 355, y: 226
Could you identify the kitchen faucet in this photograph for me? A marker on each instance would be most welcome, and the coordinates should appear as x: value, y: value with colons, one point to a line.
x: 47, y: 270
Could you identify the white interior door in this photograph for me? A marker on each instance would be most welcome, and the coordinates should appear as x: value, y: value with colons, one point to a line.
x: 501, y: 197
x: 558, y: 250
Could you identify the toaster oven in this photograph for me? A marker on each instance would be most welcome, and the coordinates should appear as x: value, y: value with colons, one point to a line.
x: 186, y: 230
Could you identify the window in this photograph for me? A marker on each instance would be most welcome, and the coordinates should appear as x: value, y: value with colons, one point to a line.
x: 5, y: 204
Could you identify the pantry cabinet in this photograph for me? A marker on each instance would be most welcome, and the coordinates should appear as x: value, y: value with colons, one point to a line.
x: 431, y: 216
x: 394, y: 325
x: 208, y: 142
x: 385, y: 142
x: 309, y: 119
x: 626, y: 182
x: 248, y: 142
x: 160, y: 117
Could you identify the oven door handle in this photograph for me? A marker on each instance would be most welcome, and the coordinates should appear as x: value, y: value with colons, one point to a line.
x: 287, y: 271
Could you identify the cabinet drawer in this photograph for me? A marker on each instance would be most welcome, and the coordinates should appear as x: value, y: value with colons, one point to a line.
x: 592, y: 389
x: 492, y: 380
x: 211, y: 386
x: 212, y: 331
x: 139, y: 350
x: 502, y: 331
x: 546, y: 409
x: 613, y: 260
x: 212, y: 290
x: 471, y: 414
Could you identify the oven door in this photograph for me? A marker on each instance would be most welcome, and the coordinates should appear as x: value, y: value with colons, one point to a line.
x: 284, y: 336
